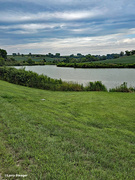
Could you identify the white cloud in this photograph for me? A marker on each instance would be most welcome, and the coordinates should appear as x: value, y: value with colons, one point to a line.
x: 31, y: 28
x: 67, y: 18
x: 93, y: 45
x: 66, y: 15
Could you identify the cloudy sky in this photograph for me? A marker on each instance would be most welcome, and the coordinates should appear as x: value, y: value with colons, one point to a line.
x: 67, y: 26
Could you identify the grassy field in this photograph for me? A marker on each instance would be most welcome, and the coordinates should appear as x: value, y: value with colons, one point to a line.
x: 122, y: 60
x: 48, y: 135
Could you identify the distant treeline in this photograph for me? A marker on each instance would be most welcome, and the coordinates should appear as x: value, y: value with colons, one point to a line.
x: 96, y: 65
x: 32, y: 79
x: 17, y: 59
x: 29, y: 62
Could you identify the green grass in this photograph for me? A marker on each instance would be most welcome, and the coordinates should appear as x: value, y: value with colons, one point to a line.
x: 49, y: 135
x: 121, y: 60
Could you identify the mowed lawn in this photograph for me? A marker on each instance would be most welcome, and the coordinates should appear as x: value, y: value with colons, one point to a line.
x: 49, y: 135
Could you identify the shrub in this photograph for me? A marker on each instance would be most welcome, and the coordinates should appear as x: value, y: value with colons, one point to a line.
x: 32, y: 79
x: 122, y: 88
x: 96, y: 86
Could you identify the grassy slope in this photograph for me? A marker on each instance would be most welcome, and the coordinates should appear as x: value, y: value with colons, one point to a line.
x: 69, y: 135
x: 123, y: 60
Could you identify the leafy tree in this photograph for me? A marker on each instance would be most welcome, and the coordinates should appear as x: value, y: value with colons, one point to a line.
x: 90, y: 57
x: 133, y: 52
x: 30, y: 62
x: 72, y: 55
x: 103, y: 57
x: 50, y: 55
x: 127, y: 53
x: 121, y: 53
x: 3, y: 53
x: 115, y: 56
x: 57, y: 54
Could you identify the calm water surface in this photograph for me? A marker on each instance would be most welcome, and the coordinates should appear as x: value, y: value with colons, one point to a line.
x: 109, y: 77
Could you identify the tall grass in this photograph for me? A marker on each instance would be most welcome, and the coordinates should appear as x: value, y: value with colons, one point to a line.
x: 96, y: 86
x: 122, y: 88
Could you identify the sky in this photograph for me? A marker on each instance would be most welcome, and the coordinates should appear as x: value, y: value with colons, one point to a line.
x: 96, y: 27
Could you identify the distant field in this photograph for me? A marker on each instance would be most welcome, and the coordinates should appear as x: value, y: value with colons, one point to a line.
x: 49, y: 135
x: 123, y: 60
x: 25, y: 58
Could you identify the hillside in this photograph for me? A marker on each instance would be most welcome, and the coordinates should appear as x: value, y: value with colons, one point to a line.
x: 66, y: 135
x: 121, y: 60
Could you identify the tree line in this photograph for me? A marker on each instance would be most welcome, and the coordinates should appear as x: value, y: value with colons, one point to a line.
x: 72, y: 60
x: 95, y: 65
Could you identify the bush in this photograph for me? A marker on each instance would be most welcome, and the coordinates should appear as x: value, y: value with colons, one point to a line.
x: 122, y: 88
x: 96, y: 86
x: 32, y: 79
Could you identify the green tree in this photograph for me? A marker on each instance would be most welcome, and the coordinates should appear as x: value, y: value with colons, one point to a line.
x: 128, y: 53
x: 30, y: 62
x: 57, y: 54
x: 121, y: 53
x: 133, y: 52
x: 89, y: 57
x: 3, y: 53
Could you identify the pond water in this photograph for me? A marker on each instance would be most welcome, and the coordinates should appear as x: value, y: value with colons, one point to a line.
x: 109, y: 77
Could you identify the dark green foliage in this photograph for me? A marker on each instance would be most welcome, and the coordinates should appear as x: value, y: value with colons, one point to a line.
x: 2, y: 62
x: 32, y: 79
x: 3, y: 53
x: 89, y: 57
x: 30, y: 61
x: 133, y: 52
x: 128, y: 53
x: 122, y: 88
x: 121, y: 53
x: 96, y: 65
x: 96, y: 86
